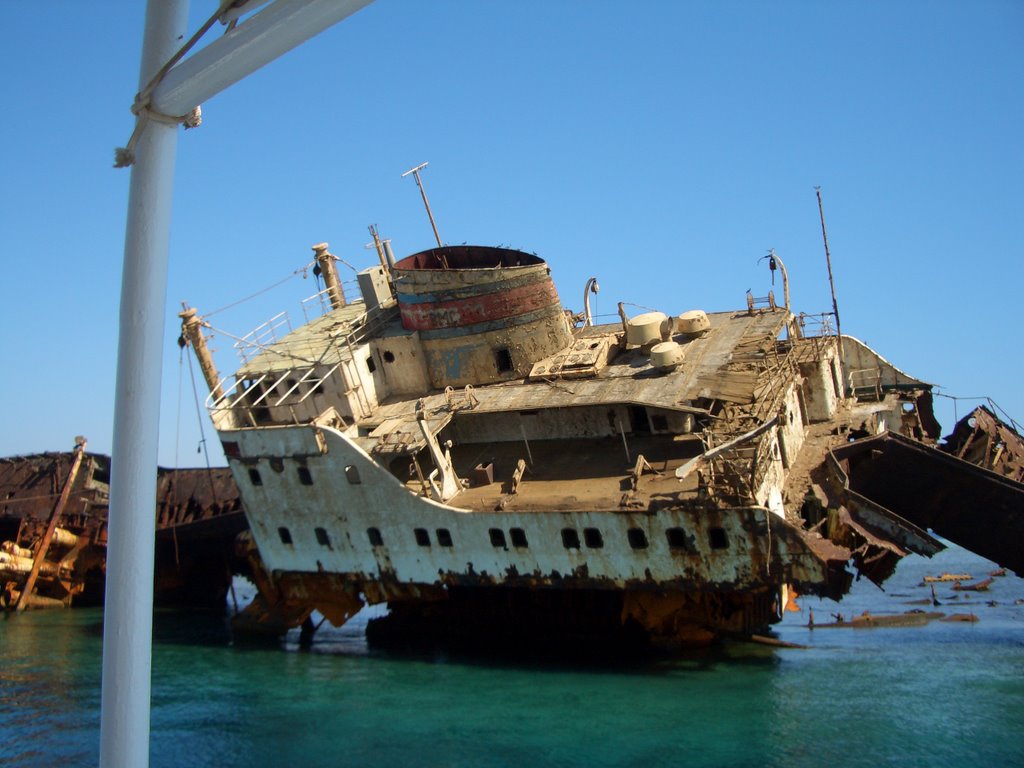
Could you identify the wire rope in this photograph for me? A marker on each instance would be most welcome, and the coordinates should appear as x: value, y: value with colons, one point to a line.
x: 202, y: 432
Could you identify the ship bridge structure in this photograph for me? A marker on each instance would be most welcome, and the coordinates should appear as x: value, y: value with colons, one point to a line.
x: 458, y: 445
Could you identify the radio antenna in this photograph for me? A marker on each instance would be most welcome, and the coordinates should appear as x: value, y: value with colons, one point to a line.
x: 828, y: 262
x: 423, y: 193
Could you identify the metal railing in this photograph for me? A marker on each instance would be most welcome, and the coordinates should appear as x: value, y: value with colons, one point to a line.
x: 319, y: 304
x: 258, y: 339
x: 865, y: 381
x: 812, y: 326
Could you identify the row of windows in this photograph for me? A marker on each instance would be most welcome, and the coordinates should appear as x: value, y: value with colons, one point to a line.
x: 305, y: 477
x: 593, y: 539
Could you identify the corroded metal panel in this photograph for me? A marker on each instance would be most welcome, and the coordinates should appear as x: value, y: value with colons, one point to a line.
x: 483, y: 314
x: 672, y: 547
x: 972, y: 506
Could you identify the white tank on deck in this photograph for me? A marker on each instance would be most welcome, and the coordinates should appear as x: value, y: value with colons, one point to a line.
x: 693, y: 323
x: 645, y: 329
x: 666, y: 356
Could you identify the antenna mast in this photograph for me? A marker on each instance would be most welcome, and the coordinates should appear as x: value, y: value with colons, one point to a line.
x: 423, y: 193
x: 828, y: 262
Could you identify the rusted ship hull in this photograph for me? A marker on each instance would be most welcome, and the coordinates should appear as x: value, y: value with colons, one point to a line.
x: 459, y: 447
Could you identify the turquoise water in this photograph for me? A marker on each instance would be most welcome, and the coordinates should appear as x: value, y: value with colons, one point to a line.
x: 945, y: 694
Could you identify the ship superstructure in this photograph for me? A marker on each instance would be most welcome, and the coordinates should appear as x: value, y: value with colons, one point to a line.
x: 458, y: 445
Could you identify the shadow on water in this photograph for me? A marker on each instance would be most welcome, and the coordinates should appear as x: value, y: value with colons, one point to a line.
x: 370, y: 635
x: 548, y: 652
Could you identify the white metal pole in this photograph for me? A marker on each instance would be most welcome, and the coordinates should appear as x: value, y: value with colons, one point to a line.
x: 258, y: 40
x: 128, y: 613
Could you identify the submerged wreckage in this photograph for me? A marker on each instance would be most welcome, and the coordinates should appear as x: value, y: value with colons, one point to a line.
x: 459, y: 446
x: 53, y: 532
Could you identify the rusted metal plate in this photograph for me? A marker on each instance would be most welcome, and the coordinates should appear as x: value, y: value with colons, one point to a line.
x: 976, y: 508
x: 198, y: 515
x: 984, y: 440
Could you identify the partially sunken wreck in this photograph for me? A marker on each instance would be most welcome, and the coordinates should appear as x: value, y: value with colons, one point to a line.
x: 458, y: 445
x: 53, y: 532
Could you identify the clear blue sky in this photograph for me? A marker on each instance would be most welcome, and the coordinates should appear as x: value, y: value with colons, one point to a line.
x: 662, y: 147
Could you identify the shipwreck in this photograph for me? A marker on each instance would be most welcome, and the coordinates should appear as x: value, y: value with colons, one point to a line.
x: 455, y: 443
x: 54, y: 510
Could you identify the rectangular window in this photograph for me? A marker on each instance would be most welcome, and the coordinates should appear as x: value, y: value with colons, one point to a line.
x: 422, y: 537
x: 504, y: 360
x: 322, y: 538
x: 444, y: 537
x: 677, y: 539
x: 254, y: 477
x: 718, y: 538
x: 592, y: 537
x: 497, y: 537
x: 519, y: 538
x: 373, y: 534
x: 285, y: 534
x: 304, y: 476
x: 570, y: 538
x: 637, y: 538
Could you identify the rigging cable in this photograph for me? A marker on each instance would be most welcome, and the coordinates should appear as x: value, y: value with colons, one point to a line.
x: 177, y: 417
x: 301, y: 270
x: 202, y: 432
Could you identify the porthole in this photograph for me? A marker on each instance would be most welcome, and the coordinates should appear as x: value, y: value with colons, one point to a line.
x: 352, y: 474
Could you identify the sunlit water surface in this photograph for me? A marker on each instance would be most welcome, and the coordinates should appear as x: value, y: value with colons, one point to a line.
x: 944, y: 694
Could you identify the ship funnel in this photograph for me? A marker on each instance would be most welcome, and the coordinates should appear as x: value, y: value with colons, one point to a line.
x: 483, y: 314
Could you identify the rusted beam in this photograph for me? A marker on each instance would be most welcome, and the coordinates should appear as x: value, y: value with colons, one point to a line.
x: 44, y: 544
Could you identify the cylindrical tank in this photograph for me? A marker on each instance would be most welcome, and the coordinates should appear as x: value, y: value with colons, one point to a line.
x: 666, y: 356
x: 693, y: 323
x: 483, y: 314
x: 62, y: 537
x: 13, y: 549
x: 645, y: 329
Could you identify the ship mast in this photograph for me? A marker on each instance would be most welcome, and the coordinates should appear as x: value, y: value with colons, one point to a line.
x: 426, y: 203
x: 325, y: 261
x: 192, y: 333
x: 831, y: 282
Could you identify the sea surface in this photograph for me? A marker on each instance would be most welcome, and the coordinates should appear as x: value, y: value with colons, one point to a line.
x: 942, y: 694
